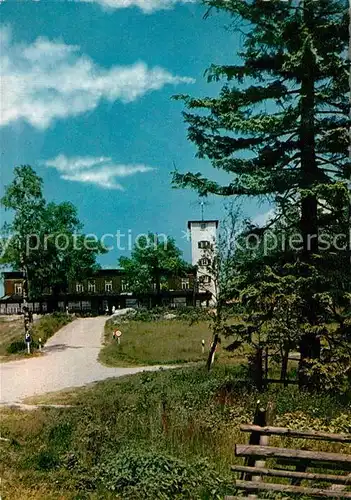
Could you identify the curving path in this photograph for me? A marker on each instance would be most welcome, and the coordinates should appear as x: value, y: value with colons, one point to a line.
x: 69, y: 360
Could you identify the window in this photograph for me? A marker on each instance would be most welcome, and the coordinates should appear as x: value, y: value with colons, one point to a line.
x: 203, y: 226
x: 13, y: 308
x: 204, y: 244
x: 131, y: 302
x: 205, y: 279
x: 108, y: 286
x: 179, y: 301
x: 124, y: 286
x: 73, y: 306
x: 86, y: 305
x: 204, y: 262
x: 185, y: 284
x: 79, y: 287
x: 91, y: 286
x: 18, y: 289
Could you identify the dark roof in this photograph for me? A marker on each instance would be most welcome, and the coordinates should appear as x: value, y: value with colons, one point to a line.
x: 12, y: 274
x: 202, y: 222
x: 100, y: 272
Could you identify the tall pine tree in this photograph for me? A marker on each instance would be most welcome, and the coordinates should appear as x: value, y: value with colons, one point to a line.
x: 279, y: 126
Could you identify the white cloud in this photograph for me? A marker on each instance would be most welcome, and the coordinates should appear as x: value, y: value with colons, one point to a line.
x: 49, y: 80
x: 101, y: 171
x: 146, y: 6
x: 262, y: 219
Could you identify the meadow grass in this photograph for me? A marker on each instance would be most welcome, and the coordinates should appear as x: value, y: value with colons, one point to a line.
x: 10, y: 331
x: 161, y: 342
x: 12, y: 344
x: 154, y: 435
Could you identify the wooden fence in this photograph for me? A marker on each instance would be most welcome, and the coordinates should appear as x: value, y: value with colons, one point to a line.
x: 295, y: 462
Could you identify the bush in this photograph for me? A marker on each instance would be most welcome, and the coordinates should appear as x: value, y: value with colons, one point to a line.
x: 16, y: 346
x: 148, y: 475
x: 43, y: 329
x: 46, y: 460
x: 192, y: 314
x: 49, y: 324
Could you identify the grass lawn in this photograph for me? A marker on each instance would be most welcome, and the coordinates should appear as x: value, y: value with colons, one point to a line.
x: 161, y: 435
x: 12, y: 332
x: 160, y: 342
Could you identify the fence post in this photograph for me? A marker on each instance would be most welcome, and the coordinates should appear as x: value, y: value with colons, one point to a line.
x: 264, y: 440
x: 262, y: 418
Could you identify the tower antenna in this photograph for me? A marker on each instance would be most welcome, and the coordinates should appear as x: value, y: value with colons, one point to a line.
x: 202, y: 204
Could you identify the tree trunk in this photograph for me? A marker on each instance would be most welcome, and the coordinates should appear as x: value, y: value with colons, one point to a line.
x: 212, y: 352
x: 26, y: 315
x: 158, y: 288
x: 266, y: 366
x: 284, y: 368
x: 310, y: 344
x: 257, y: 371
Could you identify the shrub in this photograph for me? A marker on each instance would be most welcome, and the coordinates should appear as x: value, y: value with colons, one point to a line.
x: 49, y: 324
x: 46, y: 460
x: 148, y: 475
x: 16, y: 346
x: 42, y: 329
x: 192, y: 314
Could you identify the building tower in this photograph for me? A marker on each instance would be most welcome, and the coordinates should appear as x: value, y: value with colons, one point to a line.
x: 203, y: 234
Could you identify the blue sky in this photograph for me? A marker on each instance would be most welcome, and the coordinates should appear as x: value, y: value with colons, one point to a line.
x: 87, y: 102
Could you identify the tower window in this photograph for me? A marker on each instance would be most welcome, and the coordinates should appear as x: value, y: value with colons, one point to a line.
x: 204, y: 262
x: 18, y: 289
x: 204, y: 244
x: 205, y: 279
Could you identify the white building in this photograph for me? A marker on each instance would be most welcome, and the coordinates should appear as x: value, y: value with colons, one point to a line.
x: 203, y: 234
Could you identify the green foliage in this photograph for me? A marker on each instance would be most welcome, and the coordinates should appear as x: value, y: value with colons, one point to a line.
x: 60, y: 435
x: 279, y: 129
x: 151, y: 262
x: 143, y: 474
x: 50, y: 324
x: 45, y: 460
x: 150, y: 339
x: 150, y: 433
x: 43, y: 329
x: 16, y: 346
x: 44, y: 239
x: 263, y: 103
x: 168, y: 434
x: 280, y: 294
x: 190, y: 314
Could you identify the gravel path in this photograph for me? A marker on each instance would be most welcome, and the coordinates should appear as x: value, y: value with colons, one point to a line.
x: 70, y: 360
